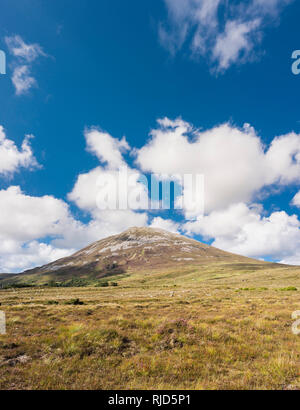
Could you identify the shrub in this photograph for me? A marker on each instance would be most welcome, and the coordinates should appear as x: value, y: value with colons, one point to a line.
x: 74, y: 302
x: 103, y: 284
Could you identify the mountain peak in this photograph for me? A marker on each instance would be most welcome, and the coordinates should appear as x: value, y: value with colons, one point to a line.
x: 138, y: 249
x: 146, y: 231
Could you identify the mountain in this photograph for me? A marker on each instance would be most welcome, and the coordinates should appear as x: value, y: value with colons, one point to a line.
x: 136, y: 250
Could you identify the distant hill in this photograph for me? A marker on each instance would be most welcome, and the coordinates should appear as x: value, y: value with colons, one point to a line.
x: 7, y: 275
x: 136, y: 250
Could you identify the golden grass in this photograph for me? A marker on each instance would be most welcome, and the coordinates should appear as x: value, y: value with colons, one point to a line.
x: 214, y: 329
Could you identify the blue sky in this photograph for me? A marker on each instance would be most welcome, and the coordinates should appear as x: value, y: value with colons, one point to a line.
x: 120, y: 66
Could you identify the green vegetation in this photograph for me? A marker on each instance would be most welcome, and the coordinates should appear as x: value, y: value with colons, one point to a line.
x: 18, y: 285
x: 52, y: 302
x: 289, y: 288
x: 72, y: 283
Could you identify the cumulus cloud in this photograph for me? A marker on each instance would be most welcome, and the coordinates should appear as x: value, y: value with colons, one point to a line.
x: 235, y: 163
x: 242, y: 229
x: 12, y: 158
x: 24, y: 55
x: 115, y: 175
x: 115, y: 179
x: 101, y: 188
x: 29, y: 255
x: 112, y: 222
x: 296, y: 200
x: 107, y: 149
x: 26, y: 218
x: 166, y: 224
x: 222, y: 31
x: 25, y: 221
x: 39, y: 230
x: 105, y: 222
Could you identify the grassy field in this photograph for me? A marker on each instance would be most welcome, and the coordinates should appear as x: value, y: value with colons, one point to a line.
x: 221, y: 327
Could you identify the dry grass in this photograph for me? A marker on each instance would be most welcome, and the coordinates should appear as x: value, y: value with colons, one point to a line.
x: 216, y: 329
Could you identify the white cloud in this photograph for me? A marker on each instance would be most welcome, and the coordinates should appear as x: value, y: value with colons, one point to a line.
x: 104, y: 222
x: 24, y: 223
x: 87, y: 189
x: 30, y: 255
x: 38, y: 230
x: 283, y: 158
x: 235, y: 164
x: 25, y: 218
x: 24, y: 55
x: 243, y: 230
x: 166, y: 224
x: 11, y: 158
x: 235, y: 41
x: 85, y: 193
x: 107, y: 149
x: 223, y: 32
x: 296, y: 200
x: 21, y: 50
x: 22, y: 80
x: 90, y: 190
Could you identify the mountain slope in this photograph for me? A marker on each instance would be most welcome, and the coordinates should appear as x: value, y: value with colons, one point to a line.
x: 136, y: 250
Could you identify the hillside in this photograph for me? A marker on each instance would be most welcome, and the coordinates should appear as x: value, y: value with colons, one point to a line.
x: 137, y: 250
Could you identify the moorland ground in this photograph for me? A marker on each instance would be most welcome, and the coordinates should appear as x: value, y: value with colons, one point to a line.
x: 218, y: 327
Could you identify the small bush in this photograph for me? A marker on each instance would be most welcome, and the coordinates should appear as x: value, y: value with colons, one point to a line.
x: 52, y: 302
x: 114, y: 284
x: 103, y: 285
x: 74, y: 302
